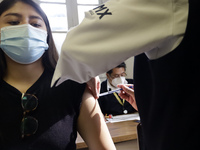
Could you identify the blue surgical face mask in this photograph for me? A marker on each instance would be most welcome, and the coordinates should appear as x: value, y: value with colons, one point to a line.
x: 24, y: 44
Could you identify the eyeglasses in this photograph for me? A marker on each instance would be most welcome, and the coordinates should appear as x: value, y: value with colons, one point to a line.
x: 118, y: 75
x: 29, y: 125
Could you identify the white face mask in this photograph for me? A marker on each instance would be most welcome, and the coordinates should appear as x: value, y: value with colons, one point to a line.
x: 24, y: 44
x: 119, y: 80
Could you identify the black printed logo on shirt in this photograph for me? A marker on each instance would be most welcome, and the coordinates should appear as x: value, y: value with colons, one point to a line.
x: 102, y: 11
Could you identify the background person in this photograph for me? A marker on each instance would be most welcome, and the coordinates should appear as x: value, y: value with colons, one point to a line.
x: 112, y: 103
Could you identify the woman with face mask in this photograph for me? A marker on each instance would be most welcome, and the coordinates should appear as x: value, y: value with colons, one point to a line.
x: 33, y: 115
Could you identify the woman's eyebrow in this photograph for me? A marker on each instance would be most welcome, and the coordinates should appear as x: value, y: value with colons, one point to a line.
x: 13, y: 14
x: 35, y: 17
x: 20, y: 16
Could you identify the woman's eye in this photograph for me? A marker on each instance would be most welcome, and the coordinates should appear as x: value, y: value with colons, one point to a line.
x: 14, y: 22
x: 36, y: 25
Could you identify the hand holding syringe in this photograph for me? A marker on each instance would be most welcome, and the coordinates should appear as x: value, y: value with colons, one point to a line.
x: 110, y: 92
x: 128, y: 94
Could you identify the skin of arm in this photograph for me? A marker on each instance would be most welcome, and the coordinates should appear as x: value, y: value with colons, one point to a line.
x: 92, y: 126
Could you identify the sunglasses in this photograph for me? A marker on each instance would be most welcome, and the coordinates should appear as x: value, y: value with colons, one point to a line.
x: 29, y: 124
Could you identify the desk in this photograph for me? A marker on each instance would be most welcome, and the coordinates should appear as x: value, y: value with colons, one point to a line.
x: 120, y: 132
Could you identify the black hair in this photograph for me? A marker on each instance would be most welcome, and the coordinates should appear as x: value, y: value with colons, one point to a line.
x: 50, y: 57
x: 122, y: 65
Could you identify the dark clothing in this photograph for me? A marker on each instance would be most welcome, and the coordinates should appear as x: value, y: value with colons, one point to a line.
x: 167, y: 92
x: 109, y: 103
x: 57, y: 113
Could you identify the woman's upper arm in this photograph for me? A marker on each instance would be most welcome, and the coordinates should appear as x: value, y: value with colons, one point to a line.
x: 92, y: 126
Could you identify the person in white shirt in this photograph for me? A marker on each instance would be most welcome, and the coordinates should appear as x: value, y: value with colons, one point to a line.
x: 127, y: 29
x: 164, y: 37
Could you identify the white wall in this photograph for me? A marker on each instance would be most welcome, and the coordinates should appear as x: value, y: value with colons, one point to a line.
x: 129, y: 69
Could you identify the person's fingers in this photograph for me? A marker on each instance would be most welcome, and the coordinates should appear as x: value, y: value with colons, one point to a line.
x: 128, y: 94
x: 128, y: 85
x: 128, y: 90
x: 94, y: 86
x: 123, y: 95
x: 98, y: 86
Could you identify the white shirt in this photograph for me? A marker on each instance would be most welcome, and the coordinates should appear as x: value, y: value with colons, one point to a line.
x: 118, y: 30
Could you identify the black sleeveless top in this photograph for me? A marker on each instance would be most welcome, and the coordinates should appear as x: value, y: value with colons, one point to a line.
x: 167, y: 92
x: 57, y: 113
